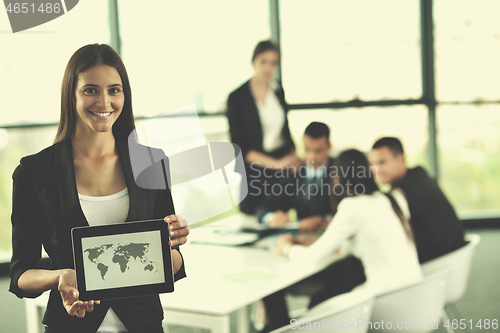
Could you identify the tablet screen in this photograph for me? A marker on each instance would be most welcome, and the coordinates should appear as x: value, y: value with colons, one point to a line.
x: 122, y: 260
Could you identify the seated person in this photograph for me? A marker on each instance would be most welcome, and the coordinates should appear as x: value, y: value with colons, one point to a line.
x: 374, y: 225
x: 308, y: 190
x: 436, y: 226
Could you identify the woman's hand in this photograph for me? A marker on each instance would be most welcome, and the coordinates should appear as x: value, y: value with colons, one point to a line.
x: 310, y: 223
x: 279, y: 220
x: 69, y: 295
x: 305, y: 239
x: 284, y: 244
x: 291, y: 160
x: 178, y: 230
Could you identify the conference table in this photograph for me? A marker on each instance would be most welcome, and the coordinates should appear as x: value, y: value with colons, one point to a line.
x: 222, y: 281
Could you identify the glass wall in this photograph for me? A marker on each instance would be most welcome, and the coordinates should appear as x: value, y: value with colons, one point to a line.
x: 337, y: 50
x: 32, y: 62
x: 189, y: 52
x: 467, y: 45
x: 467, y: 66
x: 469, y: 158
x: 360, y: 128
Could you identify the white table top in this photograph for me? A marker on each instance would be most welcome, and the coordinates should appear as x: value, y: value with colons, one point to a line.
x: 223, y: 279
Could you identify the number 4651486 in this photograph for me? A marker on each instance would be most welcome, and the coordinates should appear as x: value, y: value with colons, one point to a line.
x: 25, y: 8
x: 482, y: 323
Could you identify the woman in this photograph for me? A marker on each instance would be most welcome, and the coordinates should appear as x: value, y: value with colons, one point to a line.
x: 257, y: 114
x: 51, y: 192
x: 374, y: 226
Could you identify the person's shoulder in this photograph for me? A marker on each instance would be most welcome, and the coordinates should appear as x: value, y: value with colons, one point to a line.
x: 361, y: 207
x: 38, y: 163
x: 39, y: 159
x: 357, y: 201
x: 242, y: 90
x: 371, y: 200
x: 376, y: 204
x: 417, y: 171
x: 412, y: 176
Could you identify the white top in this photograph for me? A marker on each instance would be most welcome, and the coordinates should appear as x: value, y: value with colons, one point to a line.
x: 109, y: 209
x: 375, y: 235
x: 272, y: 119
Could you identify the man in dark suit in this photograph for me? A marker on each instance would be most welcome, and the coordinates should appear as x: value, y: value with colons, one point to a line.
x: 307, y: 191
x: 436, y: 226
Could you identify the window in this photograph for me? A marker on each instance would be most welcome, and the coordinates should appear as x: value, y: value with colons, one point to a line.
x: 189, y: 52
x: 33, y: 61
x: 469, y: 145
x: 344, y: 50
x: 360, y: 128
x: 467, y: 44
x: 467, y: 48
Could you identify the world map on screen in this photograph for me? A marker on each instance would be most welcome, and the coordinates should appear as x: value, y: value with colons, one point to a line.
x: 121, y: 255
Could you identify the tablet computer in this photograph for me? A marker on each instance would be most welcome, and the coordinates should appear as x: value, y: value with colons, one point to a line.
x: 122, y: 260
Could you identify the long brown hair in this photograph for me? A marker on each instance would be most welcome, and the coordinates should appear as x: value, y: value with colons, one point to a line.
x: 353, y: 158
x: 84, y: 58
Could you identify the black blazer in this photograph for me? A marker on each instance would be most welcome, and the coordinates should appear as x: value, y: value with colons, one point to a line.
x: 436, y: 227
x: 245, y: 128
x: 45, y: 206
x: 296, y: 195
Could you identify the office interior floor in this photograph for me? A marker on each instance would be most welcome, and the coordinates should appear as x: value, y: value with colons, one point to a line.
x: 481, y: 300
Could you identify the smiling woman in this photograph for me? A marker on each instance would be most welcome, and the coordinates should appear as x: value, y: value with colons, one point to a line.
x: 95, y: 82
x: 99, y: 98
x: 89, y: 159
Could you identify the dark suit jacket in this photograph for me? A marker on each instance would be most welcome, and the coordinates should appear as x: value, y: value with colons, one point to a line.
x: 45, y: 209
x: 245, y: 130
x: 244, y: 122
x: 307, y: 199
x: 436, y: 227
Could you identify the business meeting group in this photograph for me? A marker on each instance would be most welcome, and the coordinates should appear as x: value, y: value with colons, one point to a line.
x: 355, y: 229
x: 388, y: 235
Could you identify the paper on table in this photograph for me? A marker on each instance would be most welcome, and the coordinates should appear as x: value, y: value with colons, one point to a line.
x: 249, y: 276
x: 289, y: 226
x: 227, y: 238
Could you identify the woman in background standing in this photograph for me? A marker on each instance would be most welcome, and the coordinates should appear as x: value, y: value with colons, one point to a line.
x: 257, y: 114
